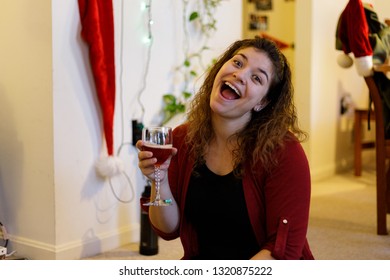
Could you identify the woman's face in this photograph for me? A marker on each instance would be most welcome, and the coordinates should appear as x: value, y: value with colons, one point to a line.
x: 241, y: 84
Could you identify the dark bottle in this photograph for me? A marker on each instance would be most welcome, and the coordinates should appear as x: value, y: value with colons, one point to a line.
x: 149, y: 239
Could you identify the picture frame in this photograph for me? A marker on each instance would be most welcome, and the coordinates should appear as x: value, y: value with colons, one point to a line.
x: 263, y: 5
x: 258, y: 22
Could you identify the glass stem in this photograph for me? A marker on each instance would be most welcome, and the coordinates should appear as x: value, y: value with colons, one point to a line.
x: 157, y: 179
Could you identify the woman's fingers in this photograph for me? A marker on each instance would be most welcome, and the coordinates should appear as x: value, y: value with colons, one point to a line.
x: 139, y: 144
x: 146, y: 163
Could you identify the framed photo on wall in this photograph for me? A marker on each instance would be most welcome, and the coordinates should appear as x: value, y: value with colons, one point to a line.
x: 263, y: 5
x: 258, y: 22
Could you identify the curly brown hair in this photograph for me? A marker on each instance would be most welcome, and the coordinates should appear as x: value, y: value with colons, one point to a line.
x: 267, y: 129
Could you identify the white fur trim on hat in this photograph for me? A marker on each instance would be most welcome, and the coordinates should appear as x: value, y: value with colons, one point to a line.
x: 344, y: 60
x: 109, y: 166
x: 364, y: 65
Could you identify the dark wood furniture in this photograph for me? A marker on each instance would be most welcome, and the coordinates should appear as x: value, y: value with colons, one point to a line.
x: 382, y: 146
x: 361, y: 119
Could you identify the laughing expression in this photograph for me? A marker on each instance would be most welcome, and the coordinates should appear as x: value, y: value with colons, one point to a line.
x: 241, y: 84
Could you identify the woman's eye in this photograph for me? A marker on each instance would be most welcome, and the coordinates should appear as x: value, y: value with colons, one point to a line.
x: 257, y: 79
x: 237, y: 63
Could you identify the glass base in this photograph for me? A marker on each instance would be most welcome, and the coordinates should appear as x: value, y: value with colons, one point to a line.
x: 161, y: 202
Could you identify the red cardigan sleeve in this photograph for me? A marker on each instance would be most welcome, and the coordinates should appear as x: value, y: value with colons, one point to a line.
x: 286, y: 200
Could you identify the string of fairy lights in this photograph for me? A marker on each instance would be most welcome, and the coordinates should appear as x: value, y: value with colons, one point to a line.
x: 146, y: 8
x: 148, y: 40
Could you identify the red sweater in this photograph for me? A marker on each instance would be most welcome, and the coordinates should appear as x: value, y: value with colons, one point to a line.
x: 278, y: 203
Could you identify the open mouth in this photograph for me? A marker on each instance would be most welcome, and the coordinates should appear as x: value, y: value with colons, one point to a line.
x: 229, y: 91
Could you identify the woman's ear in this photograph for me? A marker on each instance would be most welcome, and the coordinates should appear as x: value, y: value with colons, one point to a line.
x: 260, y: 106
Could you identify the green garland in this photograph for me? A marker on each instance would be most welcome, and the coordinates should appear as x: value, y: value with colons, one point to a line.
x: 202, y: 20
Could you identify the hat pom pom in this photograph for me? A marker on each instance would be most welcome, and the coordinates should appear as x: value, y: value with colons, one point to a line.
x: 109, y: 166
x: 364, y: 65
x: 344, y: 60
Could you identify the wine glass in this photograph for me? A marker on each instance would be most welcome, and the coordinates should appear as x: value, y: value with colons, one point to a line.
x: 158, y: 140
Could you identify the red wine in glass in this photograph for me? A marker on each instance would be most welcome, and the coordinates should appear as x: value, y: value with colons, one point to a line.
x: 160, y: 152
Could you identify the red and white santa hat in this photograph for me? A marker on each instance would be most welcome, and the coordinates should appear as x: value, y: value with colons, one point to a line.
x: 97, y: 20
x: 353, y: 33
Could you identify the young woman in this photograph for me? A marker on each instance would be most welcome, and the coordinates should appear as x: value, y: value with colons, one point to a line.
x: 238, y: 175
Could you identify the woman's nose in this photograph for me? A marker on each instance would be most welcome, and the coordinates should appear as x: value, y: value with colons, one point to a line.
x: 239, y: 76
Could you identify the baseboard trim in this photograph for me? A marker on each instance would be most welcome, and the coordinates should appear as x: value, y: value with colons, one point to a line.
x: 78, y: 249
x: 318, y: 174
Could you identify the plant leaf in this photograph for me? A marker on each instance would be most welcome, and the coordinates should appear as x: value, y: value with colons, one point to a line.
x: 169, y: 99
x: 171, y: 108
x: 187, y: 63
x: 186, y: 94
x: 193, y: 16
x: 181, y: 108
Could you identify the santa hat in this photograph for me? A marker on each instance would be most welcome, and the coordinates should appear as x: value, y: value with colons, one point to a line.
x: 352, y: 37
x: 97, y: 22
x: 279, y: 43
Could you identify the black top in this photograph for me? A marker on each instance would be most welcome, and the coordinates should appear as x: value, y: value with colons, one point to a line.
x: 215, y: 205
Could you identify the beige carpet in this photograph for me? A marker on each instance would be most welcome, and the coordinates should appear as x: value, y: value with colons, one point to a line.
x: 342, y: 223
x: 168, y: 250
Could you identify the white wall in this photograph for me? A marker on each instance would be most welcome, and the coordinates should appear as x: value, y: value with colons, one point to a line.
x: 27, y: 206
x: 51, y: 200
x: 327, y: 83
